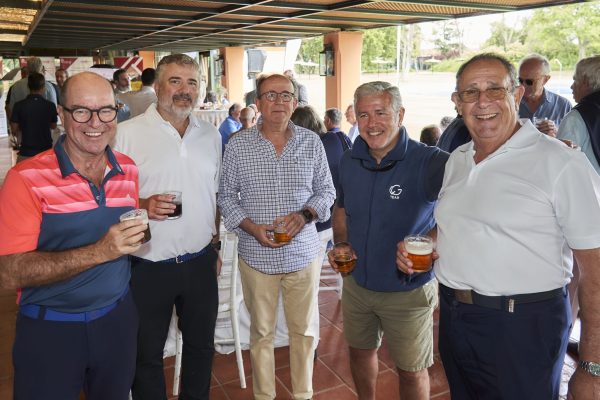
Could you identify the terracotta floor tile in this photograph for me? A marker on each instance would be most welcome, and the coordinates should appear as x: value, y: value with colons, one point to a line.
x: 332, y: 340
x: 332, y: 311
x: 323, y: 377
x: 338, y: 393
x: 225, y: 367
x: 217, y: 393
x: 339, y: 363
x: 442, y: 396
x: 234, y: 392
x: 437, y: 377
x: 387, y: 386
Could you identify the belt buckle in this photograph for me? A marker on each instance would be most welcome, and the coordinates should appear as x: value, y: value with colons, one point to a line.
x: 178, y: 260
x: 463, y: 296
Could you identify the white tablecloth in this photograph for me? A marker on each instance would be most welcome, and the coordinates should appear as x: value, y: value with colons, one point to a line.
x: 214, y: 117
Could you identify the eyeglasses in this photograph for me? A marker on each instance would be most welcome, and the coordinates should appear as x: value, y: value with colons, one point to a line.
x: 472, y: 95
x: 528, y: 82
x: 84, y: 114
x: 272, y: 96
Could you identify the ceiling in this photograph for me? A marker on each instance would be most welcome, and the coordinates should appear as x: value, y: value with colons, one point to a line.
x: 32, y: 26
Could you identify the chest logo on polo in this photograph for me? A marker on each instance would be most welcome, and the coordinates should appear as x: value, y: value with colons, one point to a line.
x: 395, y: 191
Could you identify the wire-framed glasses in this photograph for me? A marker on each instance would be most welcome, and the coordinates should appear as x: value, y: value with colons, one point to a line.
x: 472, y: 95
x: 272, y: 96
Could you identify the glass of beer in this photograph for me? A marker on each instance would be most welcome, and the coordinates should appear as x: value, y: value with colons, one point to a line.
x: 420, y: 250
x: 344, y: 257
x: 175, y: 199
x: 141, y: 214
x: 280, y: 234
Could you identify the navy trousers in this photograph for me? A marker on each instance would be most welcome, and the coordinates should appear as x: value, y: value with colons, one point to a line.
x: 494, y: 354
x: 55, y: 360
x: 192, y: 287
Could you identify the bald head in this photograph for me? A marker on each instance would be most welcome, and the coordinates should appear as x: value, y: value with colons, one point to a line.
x: 79, y: 81
x: 247, y: 117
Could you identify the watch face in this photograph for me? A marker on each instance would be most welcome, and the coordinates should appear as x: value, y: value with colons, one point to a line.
x: 591, y: 367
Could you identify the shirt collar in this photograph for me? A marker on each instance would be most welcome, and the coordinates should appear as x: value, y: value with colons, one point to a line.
x: 527, y: 135
x: 360, y: 149
x: 66, y: 166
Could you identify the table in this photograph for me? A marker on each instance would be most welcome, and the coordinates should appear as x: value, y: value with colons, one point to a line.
x: 215, y: 117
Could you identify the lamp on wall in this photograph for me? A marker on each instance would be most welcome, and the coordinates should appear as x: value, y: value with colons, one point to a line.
x: 326, y: 61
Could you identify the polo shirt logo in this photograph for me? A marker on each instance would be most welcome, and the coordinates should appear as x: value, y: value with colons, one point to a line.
x: 395, y: 191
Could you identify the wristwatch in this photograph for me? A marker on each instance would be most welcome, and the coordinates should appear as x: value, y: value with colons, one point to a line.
x: 216, y: 245
x: 590, y: 367
x: 307, y: 215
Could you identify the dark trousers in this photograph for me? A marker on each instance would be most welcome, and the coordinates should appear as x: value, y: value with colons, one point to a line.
x: 494, y: 354
x: 54, y: 360
x: 192, y: 287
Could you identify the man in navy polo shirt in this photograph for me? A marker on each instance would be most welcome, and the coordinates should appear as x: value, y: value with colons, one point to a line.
x: 32, y: 119
x: 61, y: 242
x: 388, y: 185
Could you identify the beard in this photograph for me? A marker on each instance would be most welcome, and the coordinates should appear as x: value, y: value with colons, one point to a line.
x: 178, y: 111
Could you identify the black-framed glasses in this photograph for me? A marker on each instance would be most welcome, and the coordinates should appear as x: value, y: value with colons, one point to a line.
x: 272, y: 96
x: 84, y: 114
x: 472, y: 95
x: 528, y: 82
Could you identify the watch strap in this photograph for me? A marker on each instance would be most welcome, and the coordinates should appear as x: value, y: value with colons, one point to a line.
x: 590, y: 367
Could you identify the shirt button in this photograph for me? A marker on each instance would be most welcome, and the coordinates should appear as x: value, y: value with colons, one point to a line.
x: 97, y: 197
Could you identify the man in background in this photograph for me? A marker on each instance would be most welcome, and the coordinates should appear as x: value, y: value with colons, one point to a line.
x: 582, y: 124
x: 33, y: 119
x: 546, y: 107
x: 302, y: 91
x: 139, y: 101
x: 351, y: 118
x: 230, y: 124
x: 122, y: 85
x: 19, y: 90
x: 247, y: 117
x: 430, y: 135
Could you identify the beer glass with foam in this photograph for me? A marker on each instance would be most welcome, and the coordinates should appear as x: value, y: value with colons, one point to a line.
x: 280, y: 234
x: 420, y: 250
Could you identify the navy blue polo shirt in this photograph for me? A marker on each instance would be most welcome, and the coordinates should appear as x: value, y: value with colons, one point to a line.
x: 47, y: 205
x: 34, y: 115
x: 386, y: 202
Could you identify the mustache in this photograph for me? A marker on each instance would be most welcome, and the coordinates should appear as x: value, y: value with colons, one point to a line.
x: 182, y: 96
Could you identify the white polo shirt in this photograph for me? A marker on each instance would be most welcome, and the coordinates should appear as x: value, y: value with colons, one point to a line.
x: 507, y: 224
x: 166, y: 161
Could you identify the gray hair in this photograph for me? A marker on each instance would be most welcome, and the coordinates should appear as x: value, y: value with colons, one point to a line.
x: 538, y: 57
x: 378, y: 87
x: 589, y: 69
x: 179, y: 59
x: 262, y: 78
x: 34, y: 64
x: 510, y: 69
x: 334, y: 115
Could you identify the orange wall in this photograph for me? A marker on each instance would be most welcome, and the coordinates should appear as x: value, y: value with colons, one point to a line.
x: 148, y: 57
x: 233, y: 79
x: 347, y: 47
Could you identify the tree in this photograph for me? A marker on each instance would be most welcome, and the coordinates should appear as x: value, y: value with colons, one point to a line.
x: 449, y: 39
x: 309, y: 51
x: 567, y: 33
x: 504, y: 36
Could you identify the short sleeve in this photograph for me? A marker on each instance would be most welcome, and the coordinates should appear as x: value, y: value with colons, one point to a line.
x: 20, y: 216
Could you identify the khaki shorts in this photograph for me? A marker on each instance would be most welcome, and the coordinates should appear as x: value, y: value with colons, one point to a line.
x: 405, y: 317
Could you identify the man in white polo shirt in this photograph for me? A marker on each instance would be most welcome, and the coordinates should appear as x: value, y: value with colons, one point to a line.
x: 514, y: 208
x: 175, y: 151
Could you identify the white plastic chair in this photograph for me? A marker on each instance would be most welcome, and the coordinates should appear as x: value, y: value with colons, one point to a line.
x: 228, y: 309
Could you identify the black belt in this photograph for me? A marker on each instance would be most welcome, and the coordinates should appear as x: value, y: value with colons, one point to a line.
x: 179, y: 259
x: 506, y: 303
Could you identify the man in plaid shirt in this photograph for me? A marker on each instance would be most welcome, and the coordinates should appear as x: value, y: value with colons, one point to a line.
x: 275, y: 174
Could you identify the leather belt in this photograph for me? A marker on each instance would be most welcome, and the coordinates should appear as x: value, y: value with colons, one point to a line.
x: 47, y: 314
x: 181, y: 258
x: 506, y: 303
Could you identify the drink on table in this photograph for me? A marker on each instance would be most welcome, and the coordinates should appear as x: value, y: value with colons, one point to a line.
x: 420, y: 250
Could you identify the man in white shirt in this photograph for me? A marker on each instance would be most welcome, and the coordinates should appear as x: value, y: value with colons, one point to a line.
x: 515, y: 207
x: 139, y: 101
x: 351, y: 118
x: 175, y: 151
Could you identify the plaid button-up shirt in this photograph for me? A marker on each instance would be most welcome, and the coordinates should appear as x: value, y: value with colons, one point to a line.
x: 258, y: 184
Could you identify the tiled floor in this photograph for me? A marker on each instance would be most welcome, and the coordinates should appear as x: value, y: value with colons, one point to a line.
x: 332, y: 378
